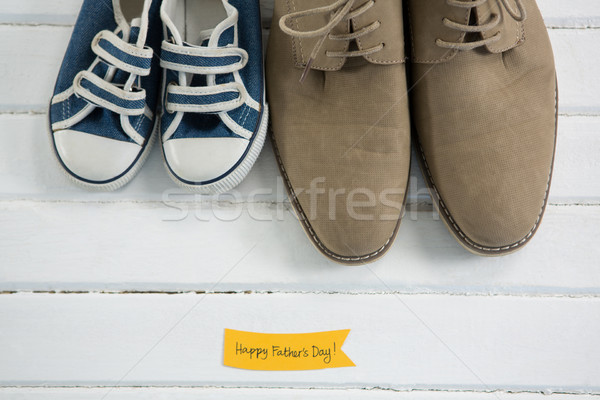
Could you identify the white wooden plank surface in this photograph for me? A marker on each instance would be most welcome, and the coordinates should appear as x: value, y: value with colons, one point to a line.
x: 577, y: 52
x: 528, y: 322
x: 401, y: 342
x: 130, y: 246
x: 60, y: 12
x: 39, y: 51
x: 571, y: 13
x: 29, y: 171
x: 266, y: 394
x: 577, y: 171
x: 39, y: 11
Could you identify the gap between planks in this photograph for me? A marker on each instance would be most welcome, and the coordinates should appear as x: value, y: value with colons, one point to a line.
x: 273, y: 389
x: 44, y: 113
x: 59, y: 25
x: 301, y: 292
x: 416, y: 206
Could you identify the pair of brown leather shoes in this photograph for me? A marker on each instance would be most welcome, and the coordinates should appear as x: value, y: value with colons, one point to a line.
x: 482, y: 90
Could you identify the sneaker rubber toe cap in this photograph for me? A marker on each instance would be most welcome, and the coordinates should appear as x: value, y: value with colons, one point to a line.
x: 94, y: 158
x: 203, y: 160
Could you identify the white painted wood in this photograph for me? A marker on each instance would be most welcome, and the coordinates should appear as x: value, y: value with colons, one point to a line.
x: 571, y: 13
x: 527, y: 322
x: 558, y: 13
x: 62, y: 12
x: 131, y: 246
x: 28, y: 169
x: 399, y: 342
x: 38, y: 50
x: 266, y: 394
x: 59, y: 12
x: 577, y: 165
x: 34, y: 55
x: 577, y: 54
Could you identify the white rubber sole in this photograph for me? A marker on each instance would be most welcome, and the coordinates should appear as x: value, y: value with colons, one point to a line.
x: 116, y: 184
x: 234, y: 178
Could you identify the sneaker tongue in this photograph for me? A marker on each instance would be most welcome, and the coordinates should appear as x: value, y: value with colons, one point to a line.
x: 134, y: 32
x: 136, y: 22
x: 224, y: 33
x: 221, y: 36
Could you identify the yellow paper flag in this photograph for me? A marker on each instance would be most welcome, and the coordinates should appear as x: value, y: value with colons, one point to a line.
x: 285, y: 352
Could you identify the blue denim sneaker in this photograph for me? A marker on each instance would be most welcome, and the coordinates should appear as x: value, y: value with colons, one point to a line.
x: 215, y: 116
x: 102, y: 112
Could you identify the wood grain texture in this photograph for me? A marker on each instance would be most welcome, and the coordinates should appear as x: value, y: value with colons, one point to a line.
x: 571, y: 13
x: 56, y: 12
x: 429, y: 317
x: 62, y: 12
x: 267, y: 394
x: 399, y: 342
x: 134, y: 246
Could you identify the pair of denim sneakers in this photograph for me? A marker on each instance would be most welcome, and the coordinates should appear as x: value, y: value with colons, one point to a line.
x: 189, y: 72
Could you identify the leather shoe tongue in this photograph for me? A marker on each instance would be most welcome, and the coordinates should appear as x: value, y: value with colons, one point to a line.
x: 511, y: 31
x: 303, y: 47
x: 390, y: 33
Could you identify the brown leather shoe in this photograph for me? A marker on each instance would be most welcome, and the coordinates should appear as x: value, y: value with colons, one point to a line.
x: 342, y: 137
x: 484, y: 110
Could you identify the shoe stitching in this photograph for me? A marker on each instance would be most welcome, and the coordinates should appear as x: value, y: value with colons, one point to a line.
x: 139, y: 123
x: 247, y: 114
x: 64, y: 111
x: 294, y: 49
x: 193, y: 107
x: 520, y: 38
x: 307, y: 224
x: 455, y: 225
